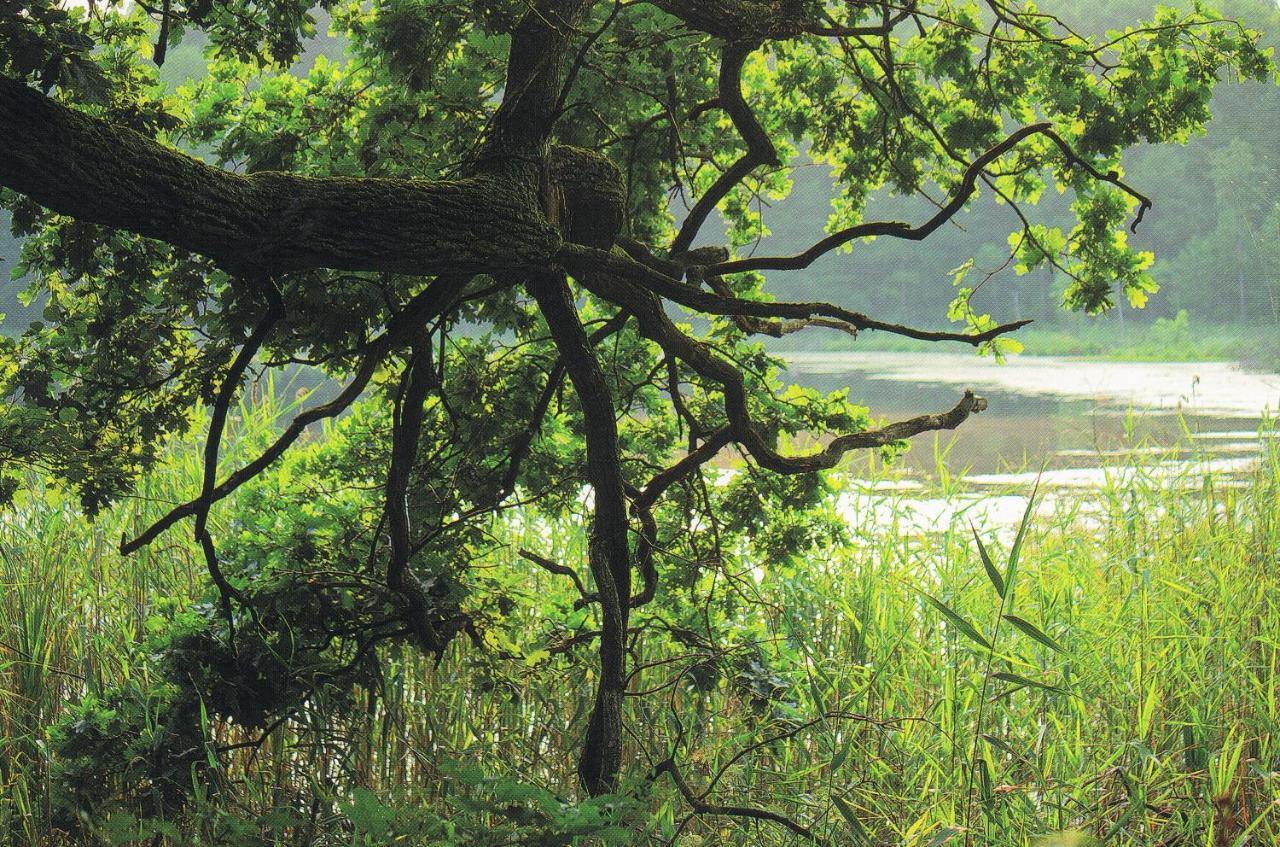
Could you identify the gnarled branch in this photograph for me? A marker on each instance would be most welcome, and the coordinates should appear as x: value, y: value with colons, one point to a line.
x: 898, y: 229
x: 659, y: 328
x: 586, y: 262
x: 425, y: 306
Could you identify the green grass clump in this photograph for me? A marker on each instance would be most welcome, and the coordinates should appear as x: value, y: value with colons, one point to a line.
x: 1110, y: 675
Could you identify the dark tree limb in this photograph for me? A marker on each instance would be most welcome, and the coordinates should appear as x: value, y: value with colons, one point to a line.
x: 552, y: 566
x: 230, y: 384
x: 536, y: 69
x: 425, y: 306
x: 417, y: 381
x: 775, y: 21
x: 643, y: 501
x: 264, y: 223
x: 691, y: 461
x: 760, y: 150
x: 742, y: 20
x: 961, y: 196
x: 659, y: 328
x: 609, y: 554
x: 524, y: 443
x: 587, y: 264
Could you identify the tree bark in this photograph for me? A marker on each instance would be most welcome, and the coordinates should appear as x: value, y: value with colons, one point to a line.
x: 609, y: 551
x: 264, y: 223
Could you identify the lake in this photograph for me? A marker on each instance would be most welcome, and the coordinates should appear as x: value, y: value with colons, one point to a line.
x: 1077, y: 419
x: 1068, y: 415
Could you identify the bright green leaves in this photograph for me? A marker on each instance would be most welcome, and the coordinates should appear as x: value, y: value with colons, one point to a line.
x: 1034, y: 632
x: 308, y: 123
x: 908, y: 112
x: 961, y: 310
x: 415, y: 38
x: 1095, y: 255
x: 114, y: 366
x: 1100, y: 258
x: 962, y: 625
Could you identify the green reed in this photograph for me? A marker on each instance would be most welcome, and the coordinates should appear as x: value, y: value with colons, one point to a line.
x: 1116, y: 678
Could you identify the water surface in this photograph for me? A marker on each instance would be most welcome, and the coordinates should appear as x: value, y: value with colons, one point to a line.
x: 1067, y: 412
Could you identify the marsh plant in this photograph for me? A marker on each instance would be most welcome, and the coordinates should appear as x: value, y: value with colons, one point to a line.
x: 1105, y: 671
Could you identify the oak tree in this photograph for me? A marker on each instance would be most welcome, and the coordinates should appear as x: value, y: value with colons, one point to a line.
x: 525, y: 231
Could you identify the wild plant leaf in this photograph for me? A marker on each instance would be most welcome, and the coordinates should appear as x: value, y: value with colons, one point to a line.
x: 1015, y: 552
x: 1000, y: 744
x: 1033, y: 631
x: 944, y: 836
x: 370, y: 815
x: 816, y: 693
x: 992, y: 573
x: 843, y: 753
x: 1018, y: 679
x: 860, y: 834
x: 969, y: 630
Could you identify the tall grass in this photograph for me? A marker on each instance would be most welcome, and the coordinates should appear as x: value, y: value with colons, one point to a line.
x: 1121, y: 682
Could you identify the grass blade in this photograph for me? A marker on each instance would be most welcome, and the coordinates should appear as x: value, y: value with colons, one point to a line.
x: 1018, y: 679
x: 969, y: 630
x: 992, y: 572
x: 1031, y: 630
x: 860, y: 835
x: 1016, y: 551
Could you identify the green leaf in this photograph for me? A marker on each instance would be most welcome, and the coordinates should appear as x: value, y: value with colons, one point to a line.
x: 839, y: 758
x: 468, y: 773
x: 860, y: 834
x: 992, y: 573
x: 1017, y: 679
x: 122, y: 828
x: 369, y: 815
x: 1035, y: 632
x: 943, y: 836
x: 958, y: 621
x: 1015, y: 552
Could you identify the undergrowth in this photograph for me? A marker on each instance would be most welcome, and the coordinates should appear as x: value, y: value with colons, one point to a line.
x: 1111, y: 675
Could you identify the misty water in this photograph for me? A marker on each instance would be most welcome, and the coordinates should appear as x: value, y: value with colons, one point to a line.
x: 1072, y: 424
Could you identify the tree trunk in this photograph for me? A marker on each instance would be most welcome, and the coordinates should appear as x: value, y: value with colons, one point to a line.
x: 609, y: 551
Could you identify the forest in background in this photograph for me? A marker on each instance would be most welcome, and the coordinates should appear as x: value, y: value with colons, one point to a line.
x: 1214, y: 230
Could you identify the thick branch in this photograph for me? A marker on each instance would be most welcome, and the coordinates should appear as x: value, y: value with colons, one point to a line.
x: 659, y: 328
x: 778, y: 20
x: 740, y: 20
x: 609, y: 556
x: 760, y: 150
x: 418, y: 379
x: 230, y: 384
x: 536, y: 66
x: 263, y: 223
